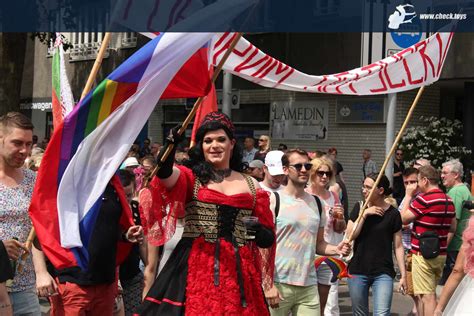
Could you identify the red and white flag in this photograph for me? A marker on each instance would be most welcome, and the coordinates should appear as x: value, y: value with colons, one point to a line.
x: 62, y: 98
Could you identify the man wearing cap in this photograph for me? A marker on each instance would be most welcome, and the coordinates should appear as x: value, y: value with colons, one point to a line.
x: 130, y: 164
x: 255, y: 169
x: 274, y: 174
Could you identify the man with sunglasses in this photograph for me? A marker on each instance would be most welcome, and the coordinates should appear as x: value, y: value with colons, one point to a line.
x: 297, y: 223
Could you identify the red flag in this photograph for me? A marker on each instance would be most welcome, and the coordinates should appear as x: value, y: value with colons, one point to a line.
x: 208, y: 105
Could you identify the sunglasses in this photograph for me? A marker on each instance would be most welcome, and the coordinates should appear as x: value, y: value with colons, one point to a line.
x: 322, y: 173
x: 299, y: 166
x: 410, y: 182
x: 262, y: 140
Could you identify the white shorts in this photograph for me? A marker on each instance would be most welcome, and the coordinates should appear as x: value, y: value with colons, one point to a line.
x: 324, y: 274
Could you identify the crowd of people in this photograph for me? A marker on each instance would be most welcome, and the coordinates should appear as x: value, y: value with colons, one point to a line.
x: 235, y: 229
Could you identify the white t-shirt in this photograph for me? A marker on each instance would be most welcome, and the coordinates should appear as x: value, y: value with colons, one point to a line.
x: 297, y: 228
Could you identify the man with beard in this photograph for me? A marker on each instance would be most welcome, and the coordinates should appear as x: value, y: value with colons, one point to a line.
x: 298, y: 222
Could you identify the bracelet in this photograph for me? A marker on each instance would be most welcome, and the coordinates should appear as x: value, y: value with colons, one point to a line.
x: 5, y: 305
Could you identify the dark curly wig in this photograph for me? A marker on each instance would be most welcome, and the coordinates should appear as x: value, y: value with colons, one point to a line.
x: 203, y: 169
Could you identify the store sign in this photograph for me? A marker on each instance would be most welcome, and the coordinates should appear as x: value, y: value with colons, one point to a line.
x: 299, y: 120
x: 360, y: 111
x: 36, y: 106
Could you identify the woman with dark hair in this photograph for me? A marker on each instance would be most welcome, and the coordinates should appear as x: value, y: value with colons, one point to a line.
x: 372, y: 265
x: 220, y: 263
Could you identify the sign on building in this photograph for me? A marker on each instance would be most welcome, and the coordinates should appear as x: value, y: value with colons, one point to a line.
x: 362, y: 111
x: 299, y: 120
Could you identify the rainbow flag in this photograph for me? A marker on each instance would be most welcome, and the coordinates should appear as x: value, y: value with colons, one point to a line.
x: 62, y: 98
x: 88, y: 147
x: 337, y: 266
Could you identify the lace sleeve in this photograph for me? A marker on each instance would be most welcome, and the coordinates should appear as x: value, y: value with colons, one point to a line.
x: 160, y: 208
x: 265, y: 257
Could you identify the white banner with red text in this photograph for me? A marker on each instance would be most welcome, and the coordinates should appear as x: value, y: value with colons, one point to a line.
x: 413, y: 67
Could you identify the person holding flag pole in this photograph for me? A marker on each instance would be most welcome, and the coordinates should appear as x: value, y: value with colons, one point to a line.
x: 95, y: 289
x: 355, y: 227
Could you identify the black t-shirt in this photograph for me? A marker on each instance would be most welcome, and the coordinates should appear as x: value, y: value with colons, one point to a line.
x: 102, y: 245
x: 398, y: 187
x: 373, y: 246
x: 131, y: 266
x: 6, y: 272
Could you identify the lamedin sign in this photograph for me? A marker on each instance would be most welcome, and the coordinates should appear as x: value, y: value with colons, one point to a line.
x: 299, y: 120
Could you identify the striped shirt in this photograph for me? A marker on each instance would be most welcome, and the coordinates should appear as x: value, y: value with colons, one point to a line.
x: 434, y: 211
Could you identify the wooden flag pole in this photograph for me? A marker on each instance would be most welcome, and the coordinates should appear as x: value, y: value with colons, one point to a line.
x: 87, y: 88
x: 97, y: 64
x: 387, y: 159
x: 195, y: 107
x: 28, y: 244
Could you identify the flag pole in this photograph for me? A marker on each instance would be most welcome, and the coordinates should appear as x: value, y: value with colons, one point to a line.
x: 349, y: 237
x: 87, y: 88
x: 194, y: 109
x: 97, y: 64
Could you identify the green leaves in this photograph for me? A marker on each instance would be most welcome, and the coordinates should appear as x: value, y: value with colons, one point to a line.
x: 438, y: 140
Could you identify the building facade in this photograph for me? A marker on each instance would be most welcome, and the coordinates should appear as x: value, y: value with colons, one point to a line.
x: 257, y: 110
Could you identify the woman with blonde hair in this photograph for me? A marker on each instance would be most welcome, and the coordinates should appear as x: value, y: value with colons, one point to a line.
x: 322, y: 175
x: 264, y: 146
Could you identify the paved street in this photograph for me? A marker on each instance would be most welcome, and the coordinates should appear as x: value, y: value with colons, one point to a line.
x: 401, y: 305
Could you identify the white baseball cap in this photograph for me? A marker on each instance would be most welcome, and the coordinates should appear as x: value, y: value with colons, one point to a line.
x: 273, y: 162
x: 130, y: 162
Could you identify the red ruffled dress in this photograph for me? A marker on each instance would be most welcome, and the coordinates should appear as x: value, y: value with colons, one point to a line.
x: 212, y: 270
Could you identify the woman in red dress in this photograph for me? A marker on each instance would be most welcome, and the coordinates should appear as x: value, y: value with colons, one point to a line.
x: 218, y: 267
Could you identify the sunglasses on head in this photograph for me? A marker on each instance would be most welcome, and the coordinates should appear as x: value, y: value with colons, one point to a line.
x: 322, y: 173
x: 298, y: 166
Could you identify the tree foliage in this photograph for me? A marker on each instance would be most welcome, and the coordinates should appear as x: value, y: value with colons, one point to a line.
x: 438, y: 140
